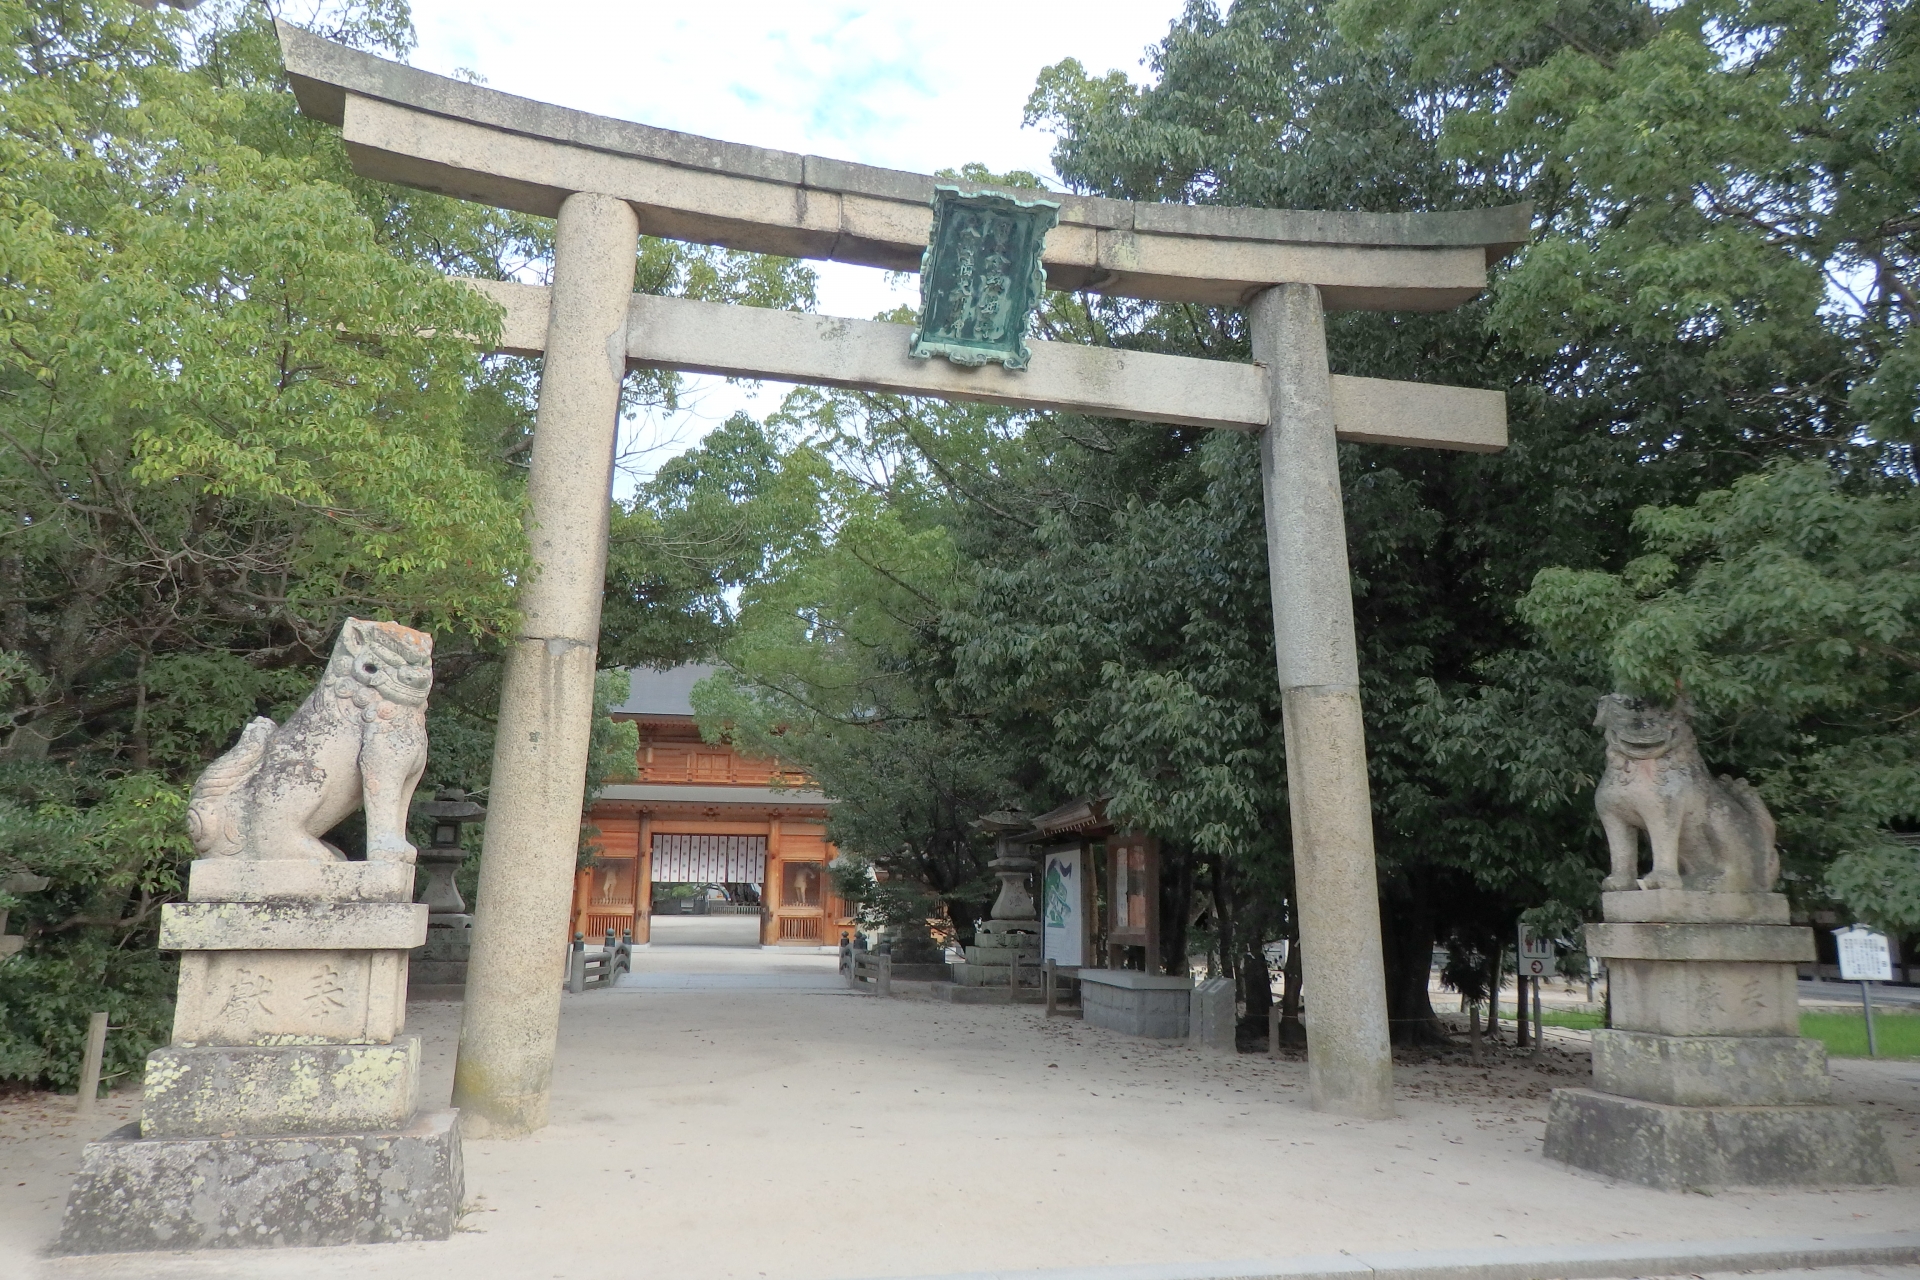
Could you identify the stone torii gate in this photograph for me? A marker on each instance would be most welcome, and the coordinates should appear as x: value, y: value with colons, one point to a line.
x: 606, y: 181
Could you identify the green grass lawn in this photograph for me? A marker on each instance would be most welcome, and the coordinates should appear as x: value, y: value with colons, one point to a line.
x: 1844, y: 1034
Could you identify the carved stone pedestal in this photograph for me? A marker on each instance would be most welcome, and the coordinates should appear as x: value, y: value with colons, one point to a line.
x: 1703, y: 1080
x: 285, y: 1112
x: 441, y: 962
x: 997, y: 946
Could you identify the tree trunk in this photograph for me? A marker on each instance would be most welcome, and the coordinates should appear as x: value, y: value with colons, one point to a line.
x: 1407, y: 932
x: 1473, y: 1029
x: 1176, y: 905
x: 1293, y: 1032
x: 1256, y: 993
x: 1493, y: 996
x: 1223, y: 918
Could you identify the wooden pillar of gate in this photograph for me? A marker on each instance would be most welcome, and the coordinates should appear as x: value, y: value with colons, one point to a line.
x: 643, y: 889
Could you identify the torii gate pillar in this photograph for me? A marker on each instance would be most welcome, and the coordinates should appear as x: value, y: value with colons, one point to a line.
x: 507, y: 1035
x: 1349, y: 1059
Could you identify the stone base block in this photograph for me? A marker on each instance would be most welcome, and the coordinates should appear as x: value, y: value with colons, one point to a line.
x: 1705, y: 998
x: 1711, y: 1071
x: 976, y: 974
x: 298, y: 880
x: 959, y: 993
x: 1684, y: 1148
x: 435, y: 974
x: 1693, y: 906
x: 291, y: 997
x: 1136, y: 1004
x: 939, y: 971
x: 1214, y: 1015
x: 289, y: 926
x: 135, y: 1193
x: 442, y: 959
x: 206, y: 1091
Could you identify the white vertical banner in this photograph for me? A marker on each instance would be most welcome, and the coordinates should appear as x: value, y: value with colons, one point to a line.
x: 1063, y: 915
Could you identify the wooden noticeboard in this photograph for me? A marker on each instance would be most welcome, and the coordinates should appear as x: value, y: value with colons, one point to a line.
x: 1133, y: 898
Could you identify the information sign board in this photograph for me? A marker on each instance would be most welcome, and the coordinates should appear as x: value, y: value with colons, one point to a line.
x: 1864, y: 956
x: 1063, y: 915
x: 1535, y: 954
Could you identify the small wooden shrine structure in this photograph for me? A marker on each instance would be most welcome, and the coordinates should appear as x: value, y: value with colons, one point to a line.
x: 1120, y: 886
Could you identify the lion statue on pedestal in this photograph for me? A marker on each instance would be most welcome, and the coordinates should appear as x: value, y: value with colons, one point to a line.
x: 359, y: 738
x: 1706, y: 832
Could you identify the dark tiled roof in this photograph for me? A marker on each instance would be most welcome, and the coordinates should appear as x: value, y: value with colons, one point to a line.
x: 663, y: 693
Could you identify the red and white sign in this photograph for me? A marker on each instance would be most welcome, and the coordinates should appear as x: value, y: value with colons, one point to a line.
x: 1535, y: 955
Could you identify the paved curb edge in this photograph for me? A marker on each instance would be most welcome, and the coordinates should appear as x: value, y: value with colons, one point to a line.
x: 1538, y: 1262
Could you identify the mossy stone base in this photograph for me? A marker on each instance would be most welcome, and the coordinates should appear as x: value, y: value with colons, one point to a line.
x: 206, y: 1091
x: 137, y: 1194
x: 1686, y: 1148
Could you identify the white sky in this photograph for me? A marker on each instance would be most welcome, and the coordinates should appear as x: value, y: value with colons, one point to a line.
x: 909, y: 84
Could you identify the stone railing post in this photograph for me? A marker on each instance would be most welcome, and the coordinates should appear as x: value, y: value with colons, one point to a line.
x: 1349, y: 1061
x: 503, y: 1076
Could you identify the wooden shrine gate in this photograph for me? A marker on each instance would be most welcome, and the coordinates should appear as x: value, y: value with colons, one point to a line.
x: 606, y: 180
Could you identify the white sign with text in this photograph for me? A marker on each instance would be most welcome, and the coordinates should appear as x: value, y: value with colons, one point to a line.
x: 1864, y: 956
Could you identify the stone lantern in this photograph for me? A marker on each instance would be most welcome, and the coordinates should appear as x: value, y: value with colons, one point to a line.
x: 442, y: 961
x: 450, y: 810
x: 1010, y: 941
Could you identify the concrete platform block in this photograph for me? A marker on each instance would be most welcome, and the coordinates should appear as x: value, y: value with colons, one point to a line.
x: 1705, y: 1071
x: 1683, y: 1148
x: 1136, y: 1004
x: 135, y: 1193
x: 205, y: 1091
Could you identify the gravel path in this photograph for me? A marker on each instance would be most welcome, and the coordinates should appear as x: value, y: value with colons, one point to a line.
x: 733, y: 1113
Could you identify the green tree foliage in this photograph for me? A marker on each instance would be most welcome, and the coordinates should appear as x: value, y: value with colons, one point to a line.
x: 1730, y: 179
x: 240, y: 400
x: 1728, y: 189
x: 230, y: 416
x: 1720, y: 284
x: 1787, y: 610
x: 839, y: 659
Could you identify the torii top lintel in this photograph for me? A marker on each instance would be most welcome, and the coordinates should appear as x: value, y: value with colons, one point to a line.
x: 437, y: 134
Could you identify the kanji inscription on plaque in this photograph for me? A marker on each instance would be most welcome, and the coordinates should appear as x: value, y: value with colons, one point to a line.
x: 981, y: 277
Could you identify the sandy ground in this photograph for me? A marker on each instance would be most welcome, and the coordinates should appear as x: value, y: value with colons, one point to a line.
x: 736, y: 1113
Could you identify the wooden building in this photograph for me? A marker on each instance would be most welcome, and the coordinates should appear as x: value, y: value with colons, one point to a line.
x: 701, y: 813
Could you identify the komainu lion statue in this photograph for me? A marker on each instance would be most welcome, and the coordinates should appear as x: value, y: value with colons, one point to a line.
x: 1706, y: 832
x: 360, y: 737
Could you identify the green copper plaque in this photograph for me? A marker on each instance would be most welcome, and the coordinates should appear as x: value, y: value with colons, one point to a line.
x: 981, y: 277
